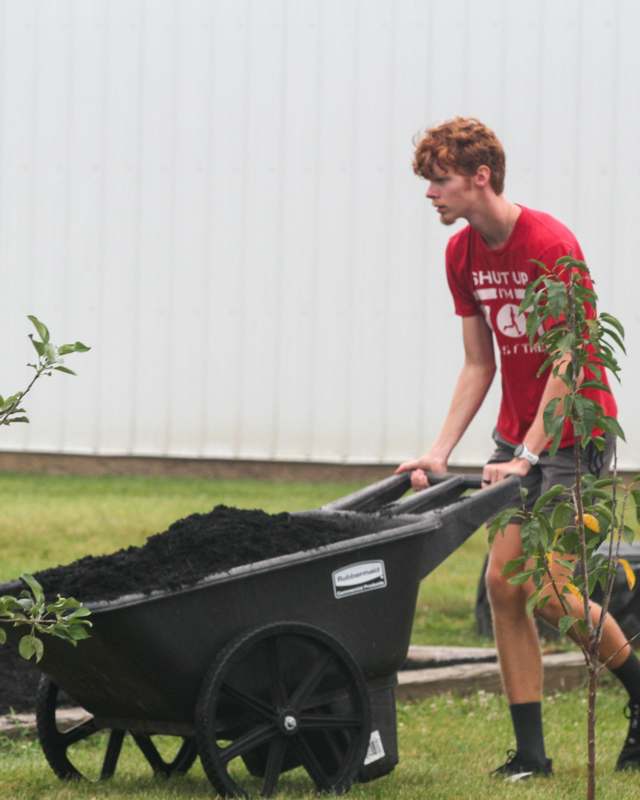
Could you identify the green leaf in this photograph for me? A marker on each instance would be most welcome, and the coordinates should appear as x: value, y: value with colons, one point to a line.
x: 81, y: 611
x: 610, y: 320
x: 581, y: 628
x: 613, y: 335
x: 555, y: 444
x: 76, y: 347
x: 40, y: 327
x: 602, y: 483
x: 30, y: 646
x: 26, y: 603
x: 532, y: 602
x: 547, y: 497
x: 594, y: 384
x: 562, y: 516
x: 39, y: 346
x: 63, y: 604
x: 565, y: 624
x: 612, y: 425
x: 79, y: 631
x: 515, y: 563
x: 34, y: 586
x: 635, y: 494
x: 66, y: 370
x: 9, y: 604
x: 566, y: 564
x: 522, y: 577
x: 3, y: 635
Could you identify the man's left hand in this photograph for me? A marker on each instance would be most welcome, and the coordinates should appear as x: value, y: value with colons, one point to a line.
x: 492, y: 473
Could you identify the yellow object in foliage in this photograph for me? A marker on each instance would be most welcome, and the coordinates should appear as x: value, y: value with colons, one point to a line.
x: 590, y: 522
x: 629, y: 573
x: 574, y: 590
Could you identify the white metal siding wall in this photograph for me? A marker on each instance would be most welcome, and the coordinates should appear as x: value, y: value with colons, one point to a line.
x: 217, y: 196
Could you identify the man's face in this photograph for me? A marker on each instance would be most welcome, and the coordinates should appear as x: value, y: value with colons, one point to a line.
x: 451, y: 194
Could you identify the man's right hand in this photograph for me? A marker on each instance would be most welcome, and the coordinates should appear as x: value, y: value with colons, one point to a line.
x: 419, y: 468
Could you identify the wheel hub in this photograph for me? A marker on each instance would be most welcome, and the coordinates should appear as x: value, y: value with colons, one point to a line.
x: 289, y: 723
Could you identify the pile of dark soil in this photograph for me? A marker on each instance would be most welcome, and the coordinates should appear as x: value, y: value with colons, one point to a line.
x: 194, y: 547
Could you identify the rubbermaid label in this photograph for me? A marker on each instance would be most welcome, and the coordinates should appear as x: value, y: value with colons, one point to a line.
x: 357, y: 578
x: 375, y: 751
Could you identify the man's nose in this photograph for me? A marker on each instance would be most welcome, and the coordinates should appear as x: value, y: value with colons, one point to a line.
x: 431, y: 192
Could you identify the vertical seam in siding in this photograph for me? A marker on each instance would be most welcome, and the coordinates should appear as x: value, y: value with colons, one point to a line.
x: 67, y: 171
x: 466, y: 71
x: 615, y: 119
x: 3, y: 99
x: 537, y: 155
x: 242, y: 265
x: 173, y: 279
x: 98, y: 432
x: 208, y: 236
x: 422, y: 426
x: 137, y: 356
x: 578, y: 138
x: 383, y: 374
x: 345, y: 445
x: 279, y: 277
x: 31, y: 213
x: 317, y: 150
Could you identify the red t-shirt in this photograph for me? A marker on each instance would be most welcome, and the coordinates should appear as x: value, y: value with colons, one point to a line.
x: 492, y: 283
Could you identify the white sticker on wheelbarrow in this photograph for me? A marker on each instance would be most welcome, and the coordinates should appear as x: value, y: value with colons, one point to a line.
x: 364, y: 576
x: 375, y: 751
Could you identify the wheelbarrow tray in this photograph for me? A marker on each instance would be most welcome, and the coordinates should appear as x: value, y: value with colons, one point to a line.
x: 147, y: 656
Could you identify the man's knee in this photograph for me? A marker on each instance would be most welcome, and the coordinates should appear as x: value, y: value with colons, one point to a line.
x: 502, y: 593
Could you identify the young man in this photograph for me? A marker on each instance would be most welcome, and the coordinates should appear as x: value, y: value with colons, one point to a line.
x: 488, y: 266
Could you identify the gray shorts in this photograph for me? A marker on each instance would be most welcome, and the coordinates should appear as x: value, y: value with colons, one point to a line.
x: 560, y: 468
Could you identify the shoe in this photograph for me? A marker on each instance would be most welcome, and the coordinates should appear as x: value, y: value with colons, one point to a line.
x: 629, y: 757
x: 517, y: 768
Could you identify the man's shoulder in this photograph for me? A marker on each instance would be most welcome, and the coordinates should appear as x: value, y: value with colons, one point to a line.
x: 459, y: 242
x: 546, y: 232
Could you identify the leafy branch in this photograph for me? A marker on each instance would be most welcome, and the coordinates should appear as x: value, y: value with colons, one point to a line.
x: 50, y: 359
x: 564, y: 533
x: 65, y: 618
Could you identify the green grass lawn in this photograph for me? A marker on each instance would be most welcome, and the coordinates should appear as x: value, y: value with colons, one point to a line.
x: 447, y: 747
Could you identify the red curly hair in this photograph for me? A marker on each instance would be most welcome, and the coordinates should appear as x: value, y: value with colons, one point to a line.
x: 461, y: 144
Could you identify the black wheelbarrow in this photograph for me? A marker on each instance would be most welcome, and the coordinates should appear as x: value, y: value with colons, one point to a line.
x: 284, y: 663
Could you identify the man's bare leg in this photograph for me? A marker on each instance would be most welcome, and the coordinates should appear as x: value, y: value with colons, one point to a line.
x: 515, y: 632
x: 613, y: 644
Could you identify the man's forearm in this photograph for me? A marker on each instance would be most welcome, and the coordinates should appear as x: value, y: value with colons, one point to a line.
x: 536, y: 439
x: 470, y: 390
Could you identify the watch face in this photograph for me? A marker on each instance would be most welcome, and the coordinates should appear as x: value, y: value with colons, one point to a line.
x: 518, y: 451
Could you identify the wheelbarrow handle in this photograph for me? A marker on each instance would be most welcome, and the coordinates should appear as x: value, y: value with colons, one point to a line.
x: 470, y: 481
x: 391, y: 488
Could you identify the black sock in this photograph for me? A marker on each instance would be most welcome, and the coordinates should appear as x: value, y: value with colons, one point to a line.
x: 527, y: 725
x: 629, y: 676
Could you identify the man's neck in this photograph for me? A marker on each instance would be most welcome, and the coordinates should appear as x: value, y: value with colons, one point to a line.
x: 495, y: 220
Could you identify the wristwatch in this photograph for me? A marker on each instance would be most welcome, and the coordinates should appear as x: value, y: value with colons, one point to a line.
x: 522, y: 451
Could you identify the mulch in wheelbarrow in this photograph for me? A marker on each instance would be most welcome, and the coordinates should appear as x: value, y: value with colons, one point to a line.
x: 191, y: 549
x: 194, y: 547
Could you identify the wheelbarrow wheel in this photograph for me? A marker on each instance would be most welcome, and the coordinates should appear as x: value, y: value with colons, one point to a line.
x: 282, y: 696
x: 57, y: 742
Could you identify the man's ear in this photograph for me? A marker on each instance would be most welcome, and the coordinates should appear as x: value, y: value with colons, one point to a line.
x: 482, y: 177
